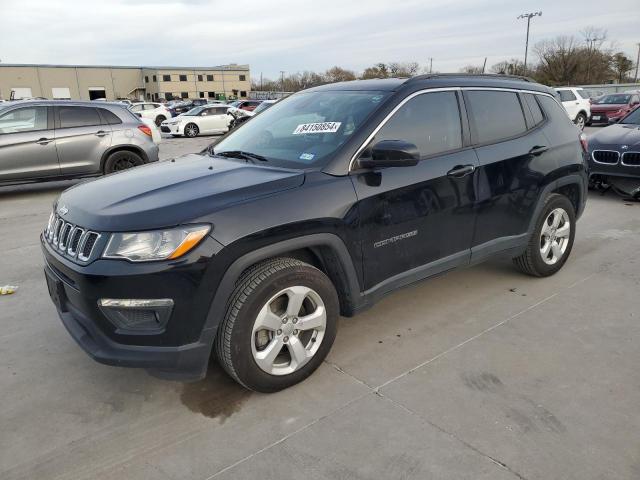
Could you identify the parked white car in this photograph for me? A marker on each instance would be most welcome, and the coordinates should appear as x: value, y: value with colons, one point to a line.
x: 206, y: 119
x: 155, y: 111
x: 576, y: 103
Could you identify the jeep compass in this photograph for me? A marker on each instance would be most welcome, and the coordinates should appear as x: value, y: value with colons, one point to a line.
x: 330, y: 199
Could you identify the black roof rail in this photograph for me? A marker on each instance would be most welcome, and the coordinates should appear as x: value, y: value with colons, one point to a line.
x: 472, y: 75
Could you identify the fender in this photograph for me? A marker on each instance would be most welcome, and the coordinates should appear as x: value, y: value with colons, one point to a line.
x: 228, y: 282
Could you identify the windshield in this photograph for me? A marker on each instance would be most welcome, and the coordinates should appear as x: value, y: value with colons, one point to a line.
x: 613, y: 99
x: 193, y: 112
x: 305, y: 129
x: 262, y: 106
x: 633, y: 118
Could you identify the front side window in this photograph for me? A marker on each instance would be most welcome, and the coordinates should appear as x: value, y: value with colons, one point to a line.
x: 29, y: 119
x: 78, y: 117
x: 430, y: 121
x: 494, y: 115
x: 305, y: 129
x: 566, y: 95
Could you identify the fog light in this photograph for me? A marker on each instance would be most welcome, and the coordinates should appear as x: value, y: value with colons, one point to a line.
x: 139, y: 316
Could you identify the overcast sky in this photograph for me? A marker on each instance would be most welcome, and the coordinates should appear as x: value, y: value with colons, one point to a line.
x: 297, y: 35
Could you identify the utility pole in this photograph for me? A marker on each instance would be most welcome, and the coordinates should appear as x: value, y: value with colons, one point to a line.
x: 528, y: 16
x: 282, y: 80
x: 484, y: 65
x: 590, y: 42
x: 430, y: 64
x: 637, y: 61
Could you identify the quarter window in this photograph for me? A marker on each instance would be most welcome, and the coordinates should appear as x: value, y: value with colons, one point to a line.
x: 78, y: 117
x: 29, y: 119
x: 110, y: 117
x: 534, y: 108
x: 495, y: 116
x: 566, y: 95
x: 431, y: 121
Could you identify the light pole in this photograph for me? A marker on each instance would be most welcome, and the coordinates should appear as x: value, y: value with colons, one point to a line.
x: 637, y: 61
x: 528, y: 16
x: 282, y: 80
x: 590, y: 42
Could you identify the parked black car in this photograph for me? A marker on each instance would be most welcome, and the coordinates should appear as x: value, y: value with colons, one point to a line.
x: 316, y: 208
x: 614, y: 156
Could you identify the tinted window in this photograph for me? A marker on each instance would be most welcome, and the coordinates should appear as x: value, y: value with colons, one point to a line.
x: 137, y: 108
x: 209, y: 78
x: 78, y: 117
x: 110, y: 117
x: 495, y: 115
x: 556, y: 113
x: 430, y: 121
x: 534, y: 108
x: 183, y: 78
x: 566, y: 95
x: 28, y: 119
x: 243, y: 78
x: 614, y: 99
x: 184, y: 94
x: 166, y: 78
x: 199, y: 78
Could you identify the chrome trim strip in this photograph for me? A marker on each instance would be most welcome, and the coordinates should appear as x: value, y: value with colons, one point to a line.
x: 87, y: 235
x: 70, y: 251
x: 430, y: 90
x: 605, y: 163
x: 135, y: 303
x: 628, y: 164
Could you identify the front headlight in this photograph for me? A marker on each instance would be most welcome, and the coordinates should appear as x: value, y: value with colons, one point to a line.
x: 155, y: 245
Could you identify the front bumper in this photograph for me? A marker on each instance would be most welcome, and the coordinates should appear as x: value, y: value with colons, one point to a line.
x: 179, y: 352
x: 617, y: 169
x: 173, y: 129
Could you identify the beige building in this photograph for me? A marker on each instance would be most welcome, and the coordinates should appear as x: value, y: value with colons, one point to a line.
x: 85, y: 82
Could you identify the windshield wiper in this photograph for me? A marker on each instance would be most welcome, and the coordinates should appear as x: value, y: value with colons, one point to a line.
x: 242, y: 154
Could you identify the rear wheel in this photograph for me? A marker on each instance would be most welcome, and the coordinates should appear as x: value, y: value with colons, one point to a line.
x: 581, y: 120
x: 280, y: 325
x: 122, y: 160
x: 191, y: 130
x: 552, y: 239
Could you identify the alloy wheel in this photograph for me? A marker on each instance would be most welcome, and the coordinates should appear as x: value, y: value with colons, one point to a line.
x: 288, y: 330
x: 554, y: 237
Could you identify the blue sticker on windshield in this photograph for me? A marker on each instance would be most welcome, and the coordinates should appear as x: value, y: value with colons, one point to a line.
x: 376, y: 98
x: 307, y: 156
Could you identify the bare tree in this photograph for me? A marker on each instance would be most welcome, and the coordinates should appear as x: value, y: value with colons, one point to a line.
x: 471, y: 69
x: 509, y: 67
x: 338, y: 74
x: 559, y: 60
x: 621, y: 65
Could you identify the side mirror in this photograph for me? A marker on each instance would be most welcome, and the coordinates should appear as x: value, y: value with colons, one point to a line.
x: 391, y: 153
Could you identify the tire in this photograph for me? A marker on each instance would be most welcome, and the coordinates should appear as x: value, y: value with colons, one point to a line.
x: 191, y: 130
x: 122, y: 160
x: 580, y: 121
x: 242, y: 346
x: 533, y: 261
x: 160, y: 119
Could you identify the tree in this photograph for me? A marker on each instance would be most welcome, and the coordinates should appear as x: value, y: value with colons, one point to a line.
x: 471, y: 69
x: 509, y: 67
x: 338, y: 74
x: 559, y: 60
x: 621, y: 65
x: 375, y: 72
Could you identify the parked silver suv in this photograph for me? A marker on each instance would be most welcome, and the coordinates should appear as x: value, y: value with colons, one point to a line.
x: 48, y: 139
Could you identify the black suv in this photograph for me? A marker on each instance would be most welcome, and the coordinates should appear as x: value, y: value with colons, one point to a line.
x: 322, y: 204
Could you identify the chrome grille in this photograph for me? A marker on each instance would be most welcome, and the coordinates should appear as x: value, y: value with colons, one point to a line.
x: 70, y: 240
x: 631, y: 159
x: 610, y: 157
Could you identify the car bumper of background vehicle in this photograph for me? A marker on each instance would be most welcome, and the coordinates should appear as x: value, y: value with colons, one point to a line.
x: 163, y: 356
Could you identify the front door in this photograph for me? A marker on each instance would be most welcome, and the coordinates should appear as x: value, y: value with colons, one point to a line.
x: 417, y: 221
x: 81, y: 139
x: 27, y: 144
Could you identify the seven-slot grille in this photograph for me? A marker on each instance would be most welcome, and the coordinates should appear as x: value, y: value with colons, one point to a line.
x: 631, y: 159
x: 69, y: 239
x: 606, y: 156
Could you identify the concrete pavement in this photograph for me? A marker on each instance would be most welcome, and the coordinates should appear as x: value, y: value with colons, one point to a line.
x: 481, y: 373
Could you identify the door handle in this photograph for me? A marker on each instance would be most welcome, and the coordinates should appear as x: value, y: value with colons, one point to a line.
x: 460, y: 171
x: 101, y: 133
x: 44, y: 141
x: 538, y: 149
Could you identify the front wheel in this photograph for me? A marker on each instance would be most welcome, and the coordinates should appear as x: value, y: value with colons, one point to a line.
x: 122, y: 160
x: 160, y: 119
x: 191, y: 130
x: 280, y: 325
x: 552, y: 238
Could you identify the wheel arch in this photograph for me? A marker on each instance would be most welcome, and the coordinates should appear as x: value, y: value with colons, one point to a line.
x: 573, y: 187
x: 120, y: 148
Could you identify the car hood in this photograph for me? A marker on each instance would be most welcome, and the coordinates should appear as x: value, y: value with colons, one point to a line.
x: 170, y: 193
x: 607, y: 108
x: 616, y: 135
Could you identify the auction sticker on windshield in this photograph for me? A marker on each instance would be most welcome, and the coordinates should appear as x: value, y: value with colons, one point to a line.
x: 323, y: 127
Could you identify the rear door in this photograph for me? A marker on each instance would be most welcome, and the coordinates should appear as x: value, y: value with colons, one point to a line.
x: 513, y: 156
x: 81, y: 139
x: 27, y: 144
x: 416, y: 221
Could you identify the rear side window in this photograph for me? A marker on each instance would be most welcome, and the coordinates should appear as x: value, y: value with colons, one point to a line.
x: 583, y: 94
x: 566, y: 95
x: 495, y: 116
x: 110, y: 117
x: 534, y: 108
x: 554, y: 111
x: 78, y: 117
x: 431, y: 121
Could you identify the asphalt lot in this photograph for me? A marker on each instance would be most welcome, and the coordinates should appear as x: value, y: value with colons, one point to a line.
x: 480, y: 374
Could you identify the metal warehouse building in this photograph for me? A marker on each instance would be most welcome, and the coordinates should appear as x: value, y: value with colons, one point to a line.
x: 89, y: 82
